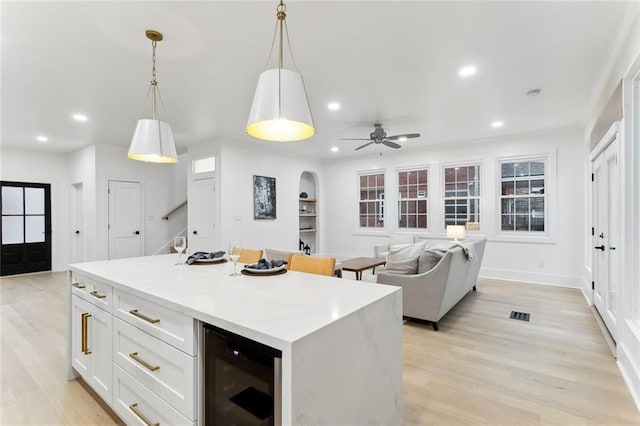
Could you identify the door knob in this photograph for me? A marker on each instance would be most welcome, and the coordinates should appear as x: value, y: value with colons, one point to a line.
x: 136, y: 232
x: 195, y: 232
x: 612, y: 248
x: 601, y: 235
x: 599, y: 247
x: 77, y: 232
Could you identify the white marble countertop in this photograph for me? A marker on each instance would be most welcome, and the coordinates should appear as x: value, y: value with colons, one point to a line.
x: 275, y: 310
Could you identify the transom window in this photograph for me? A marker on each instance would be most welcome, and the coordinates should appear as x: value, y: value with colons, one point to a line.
x: 371, y: 206
x: 523, y: 195
x: 462, y: 196
x: 413, y: 190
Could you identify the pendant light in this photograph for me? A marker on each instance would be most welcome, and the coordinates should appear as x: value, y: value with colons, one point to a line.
x: 153, y: 140
x: 280, y: 109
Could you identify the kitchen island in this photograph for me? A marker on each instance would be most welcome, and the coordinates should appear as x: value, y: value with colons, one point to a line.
x: 340, y: 340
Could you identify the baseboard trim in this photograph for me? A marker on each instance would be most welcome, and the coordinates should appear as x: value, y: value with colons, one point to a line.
x: 532, y: 277
x: 630, y: 375
x: 611, y: 343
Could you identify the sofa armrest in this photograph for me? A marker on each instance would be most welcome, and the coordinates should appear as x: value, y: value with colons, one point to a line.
x: 422, y: 294
x: 380, y: 251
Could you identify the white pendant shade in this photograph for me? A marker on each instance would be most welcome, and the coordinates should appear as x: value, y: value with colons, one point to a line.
x: 153, y: 142
x: 280, y: 109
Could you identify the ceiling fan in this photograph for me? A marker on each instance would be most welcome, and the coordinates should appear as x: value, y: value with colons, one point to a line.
x: 380, y: 136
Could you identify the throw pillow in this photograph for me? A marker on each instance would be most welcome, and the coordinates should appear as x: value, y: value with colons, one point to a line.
x: 429, y: 259
x: 403, y: 258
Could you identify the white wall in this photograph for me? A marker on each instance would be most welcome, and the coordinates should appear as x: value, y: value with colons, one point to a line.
x: 554, y: 260
x: 81, y: 170
x: 43, y: 167
x: 237, y: 167
x: 162, y: 184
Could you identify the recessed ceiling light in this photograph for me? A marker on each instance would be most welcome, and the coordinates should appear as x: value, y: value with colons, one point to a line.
x: 334, y: 106
x: 79, y: 117
x: 467, y: 71
x: 497, y: 124
x: 335, y: 149
x: 402, y: 139
x: 42, y: 138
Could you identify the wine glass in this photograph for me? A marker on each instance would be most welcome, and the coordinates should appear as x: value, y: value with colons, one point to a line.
x: 179, y: 243
x: 235, y: 249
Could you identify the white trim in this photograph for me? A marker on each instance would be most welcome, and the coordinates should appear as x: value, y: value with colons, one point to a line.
x: 480, y: 197
x: 553, y: 280
x: 357, y: 227
x: 606, y: 140
x: 550, y: 213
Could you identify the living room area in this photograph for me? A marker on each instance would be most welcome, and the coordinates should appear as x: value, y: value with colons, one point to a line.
x: 539, y: 341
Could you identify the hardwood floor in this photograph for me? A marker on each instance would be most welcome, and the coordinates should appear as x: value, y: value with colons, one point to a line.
x: 481, y: 368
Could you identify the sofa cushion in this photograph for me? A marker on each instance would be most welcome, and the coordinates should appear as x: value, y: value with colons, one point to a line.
x: 428, y: 259
x: 403, y: 258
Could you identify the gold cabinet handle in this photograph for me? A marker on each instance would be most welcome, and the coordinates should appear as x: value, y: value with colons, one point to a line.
x: 141, y: 416
x: 135, y: 312
x: 84, y: 348
x: 78, y: 285
x: 98, y: 295
x: 144, y: 363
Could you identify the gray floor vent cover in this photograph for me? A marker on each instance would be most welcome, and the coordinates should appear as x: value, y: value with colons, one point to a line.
x: 522, y: 316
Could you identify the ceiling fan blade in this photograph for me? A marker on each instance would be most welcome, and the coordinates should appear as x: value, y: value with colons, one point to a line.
x: 355, y: 139
x: 391, y: 144
x: 408, y: 136
x: 362, y: 146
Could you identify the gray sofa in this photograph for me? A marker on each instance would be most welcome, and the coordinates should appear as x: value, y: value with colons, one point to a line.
x: 430, y: 295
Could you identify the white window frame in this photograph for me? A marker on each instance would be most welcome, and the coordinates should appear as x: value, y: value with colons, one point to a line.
x: 399, y: 199
x: 381, y: 201
x: 478, y: 197
x: 550, y: 176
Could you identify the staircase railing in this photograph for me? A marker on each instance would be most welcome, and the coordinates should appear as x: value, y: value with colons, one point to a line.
x: 166, y: 217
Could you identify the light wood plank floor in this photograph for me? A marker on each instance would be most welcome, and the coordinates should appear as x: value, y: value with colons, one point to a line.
x: 481, y: 368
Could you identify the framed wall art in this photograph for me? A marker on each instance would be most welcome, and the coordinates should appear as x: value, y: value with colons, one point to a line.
x: 264, y: 197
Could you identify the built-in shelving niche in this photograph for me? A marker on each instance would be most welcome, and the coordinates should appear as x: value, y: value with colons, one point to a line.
x: 308, y: 212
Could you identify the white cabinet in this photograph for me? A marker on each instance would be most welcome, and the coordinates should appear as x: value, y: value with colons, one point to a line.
x: 91, y: 347
x: 154, y: 361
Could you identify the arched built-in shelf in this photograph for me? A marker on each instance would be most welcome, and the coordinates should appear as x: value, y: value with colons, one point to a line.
x: 308, y: 212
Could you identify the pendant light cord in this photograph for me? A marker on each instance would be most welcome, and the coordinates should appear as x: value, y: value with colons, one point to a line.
x: 281, y: 24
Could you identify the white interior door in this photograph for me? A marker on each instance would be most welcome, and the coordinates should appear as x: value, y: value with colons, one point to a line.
x: 77, y: 224
x: 125, y: 213
x: 605, y: 238
x: 202, y: 216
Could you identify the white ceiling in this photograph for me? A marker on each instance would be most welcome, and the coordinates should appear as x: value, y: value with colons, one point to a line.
x: 392, y: 61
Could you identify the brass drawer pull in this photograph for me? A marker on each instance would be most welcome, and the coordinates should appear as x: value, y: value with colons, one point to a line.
x: 84, y: 348
x: 144, y: 317
x: 142, y: 417
x: 98, y: 295
x: 78, y: 285
x: 144, y: 363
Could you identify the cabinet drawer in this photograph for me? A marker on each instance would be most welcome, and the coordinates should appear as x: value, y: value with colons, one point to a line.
x: 170, y: 326
x: 165, y: 370
x: 137, y: 405
x: 92, y: 291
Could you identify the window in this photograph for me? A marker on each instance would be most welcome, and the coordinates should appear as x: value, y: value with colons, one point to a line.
x: 413, y: 190
x: 522, y: 197
x: 462, y: 196
x: 371, y: 200
x: 204, y: 165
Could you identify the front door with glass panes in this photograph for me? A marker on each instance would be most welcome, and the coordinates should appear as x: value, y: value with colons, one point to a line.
x: 26, y: 227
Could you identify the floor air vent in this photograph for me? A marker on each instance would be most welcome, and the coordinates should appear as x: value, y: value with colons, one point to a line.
x: 522, y: 316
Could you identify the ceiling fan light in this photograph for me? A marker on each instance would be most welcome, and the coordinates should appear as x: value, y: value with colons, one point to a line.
x: 280, y: 109
x: 153, y: 142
